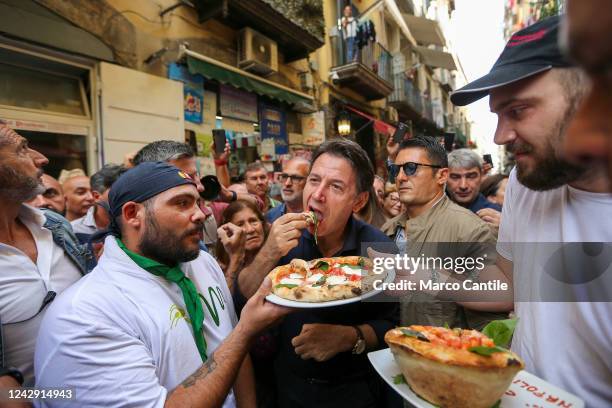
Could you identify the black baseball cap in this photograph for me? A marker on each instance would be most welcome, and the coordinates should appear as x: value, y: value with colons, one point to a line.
x: 528, y: 52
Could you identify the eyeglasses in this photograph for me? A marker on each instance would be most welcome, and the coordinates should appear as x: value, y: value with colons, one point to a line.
x: 410, y: 168
x: 294, y: 179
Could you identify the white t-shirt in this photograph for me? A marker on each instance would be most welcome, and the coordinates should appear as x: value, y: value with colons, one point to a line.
x: 566, y: 343
x: 120, y: 338
x: 23, y: 287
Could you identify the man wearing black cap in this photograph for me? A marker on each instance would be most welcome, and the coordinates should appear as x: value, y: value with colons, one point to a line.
x: 154, y: 324
x: 534, y: 92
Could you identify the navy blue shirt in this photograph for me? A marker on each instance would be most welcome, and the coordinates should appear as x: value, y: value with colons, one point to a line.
x: 276, y: 213
x: 381, y: 316
x: 481, y: 202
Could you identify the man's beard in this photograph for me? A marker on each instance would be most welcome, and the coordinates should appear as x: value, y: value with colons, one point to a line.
x: 292, y: 198
x: 549, y: 171
x: 18, y: 187
x: 164, y: 245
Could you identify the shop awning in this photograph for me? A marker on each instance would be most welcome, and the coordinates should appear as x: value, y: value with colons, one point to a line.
x: 229, y: 75
x: 424, y: 30
x: 379, y: 125
x: 437, y: 59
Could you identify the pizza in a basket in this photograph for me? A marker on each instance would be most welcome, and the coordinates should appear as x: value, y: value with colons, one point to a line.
x: 323, y: 279
x: 453, y: 367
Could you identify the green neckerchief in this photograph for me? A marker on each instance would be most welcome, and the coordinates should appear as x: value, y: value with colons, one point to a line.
x: 190, y: 294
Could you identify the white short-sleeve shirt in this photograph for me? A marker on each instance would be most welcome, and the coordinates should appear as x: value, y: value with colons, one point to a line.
x: 120, y: 336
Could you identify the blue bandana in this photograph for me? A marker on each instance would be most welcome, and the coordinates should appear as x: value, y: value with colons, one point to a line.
x: 141, y: 183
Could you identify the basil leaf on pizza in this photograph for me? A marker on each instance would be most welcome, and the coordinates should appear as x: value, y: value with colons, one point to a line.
x: 487, y: 351
x: 286, y: 285
x: 414, y: 333
x: 500, y: 331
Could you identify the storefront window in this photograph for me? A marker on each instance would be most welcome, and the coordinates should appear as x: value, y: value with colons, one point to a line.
x: 28, y: 88
x: 63, y: 151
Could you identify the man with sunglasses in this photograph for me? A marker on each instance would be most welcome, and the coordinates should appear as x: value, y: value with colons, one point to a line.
x: 39, y: 256
x: 293, y: 179
x: 432, y: 224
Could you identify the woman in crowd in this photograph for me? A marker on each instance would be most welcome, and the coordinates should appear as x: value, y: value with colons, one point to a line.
x: 392, y: 206
x: 494, y: 188
x: 231, y: 255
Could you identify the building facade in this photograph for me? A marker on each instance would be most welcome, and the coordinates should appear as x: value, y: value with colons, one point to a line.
x: 90, y: 82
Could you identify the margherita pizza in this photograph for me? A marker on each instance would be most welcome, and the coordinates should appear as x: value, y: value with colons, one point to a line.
x: 453, y: 367
x: 324, y: 279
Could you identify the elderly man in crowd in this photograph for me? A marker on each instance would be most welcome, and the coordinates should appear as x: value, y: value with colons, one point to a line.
x: 52, y: 198
x: 39, y: 257
x: 79, y: 198
x: 322, y: 353
x: 257, y: 183
x: 293, y: 179
x: 465, y: 176
x: 153, y: 324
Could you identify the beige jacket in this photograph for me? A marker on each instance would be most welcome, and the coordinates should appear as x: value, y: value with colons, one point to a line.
x: 445, y: 230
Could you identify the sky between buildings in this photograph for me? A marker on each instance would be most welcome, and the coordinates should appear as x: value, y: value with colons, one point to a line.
x: 477, y: 33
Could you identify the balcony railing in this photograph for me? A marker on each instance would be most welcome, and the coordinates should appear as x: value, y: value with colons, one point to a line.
x: 366, y: 70
x: 404, y: 91
x: 373, y: 56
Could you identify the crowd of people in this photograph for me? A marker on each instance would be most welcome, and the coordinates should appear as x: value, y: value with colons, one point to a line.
x: 131, y: 289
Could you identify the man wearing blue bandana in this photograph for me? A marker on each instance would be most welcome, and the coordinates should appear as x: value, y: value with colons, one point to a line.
x: 153, y: 325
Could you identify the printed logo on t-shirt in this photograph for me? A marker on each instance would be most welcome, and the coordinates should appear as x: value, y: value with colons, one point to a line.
x: 177, y: 313
x: 215, y: 296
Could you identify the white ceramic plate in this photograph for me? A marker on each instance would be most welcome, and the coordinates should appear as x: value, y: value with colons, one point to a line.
x: 309, y: 305
x: 526, y: 390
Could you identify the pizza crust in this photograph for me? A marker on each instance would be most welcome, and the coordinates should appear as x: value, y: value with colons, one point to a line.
x: 450, y: 377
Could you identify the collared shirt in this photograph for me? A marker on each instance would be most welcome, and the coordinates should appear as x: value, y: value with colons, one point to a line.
x: 381, y: 316
x: 23, y: 287
x: 86, y: 225
x: 481, y: 202
x: 276, y: 212
x: 127, y: 329
x: 446, y: 229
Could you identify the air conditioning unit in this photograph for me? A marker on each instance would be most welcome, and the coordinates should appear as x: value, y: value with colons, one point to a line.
x: 257, y: 53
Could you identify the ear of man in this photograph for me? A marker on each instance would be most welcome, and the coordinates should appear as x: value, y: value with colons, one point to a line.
x: 360, y: 201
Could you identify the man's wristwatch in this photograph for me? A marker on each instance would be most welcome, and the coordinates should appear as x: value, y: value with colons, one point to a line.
x: 12, y: 372
x: 360, y: 345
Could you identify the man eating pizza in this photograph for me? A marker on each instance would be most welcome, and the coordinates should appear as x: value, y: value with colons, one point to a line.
x: 321, y: 359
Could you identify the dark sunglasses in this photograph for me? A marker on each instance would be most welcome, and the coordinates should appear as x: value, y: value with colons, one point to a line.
x: 410, y: 168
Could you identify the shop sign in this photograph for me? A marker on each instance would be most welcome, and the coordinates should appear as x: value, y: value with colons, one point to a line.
x: 237, y: 104
x: 274, y: 127
x: 313, y: 128
x: 193, y: 89
x: 47, y: 127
